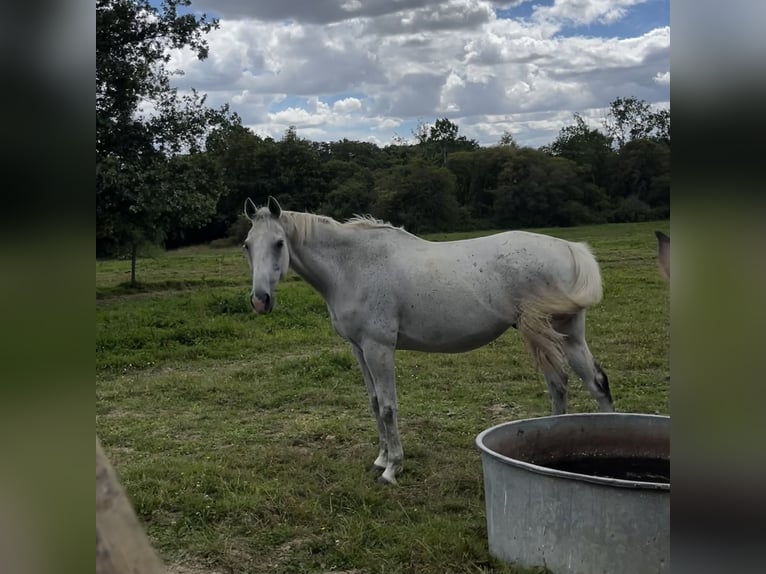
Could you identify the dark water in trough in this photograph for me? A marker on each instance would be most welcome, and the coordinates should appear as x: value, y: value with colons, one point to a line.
x: 622, y: 468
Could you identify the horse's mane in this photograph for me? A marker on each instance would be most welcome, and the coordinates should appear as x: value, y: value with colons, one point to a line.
x: 368, y: 221
x: 303, y: 224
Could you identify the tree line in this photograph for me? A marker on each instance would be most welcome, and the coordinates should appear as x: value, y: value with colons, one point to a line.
x: 177, y: 172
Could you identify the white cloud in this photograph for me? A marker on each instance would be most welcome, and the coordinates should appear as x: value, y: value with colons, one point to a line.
x: 662, y: 78
x: 585, y: 11
x: 351, y: 6
x: 388, y: 64
x: 297, y: 116
x: 347, y: 105
x: 387, y: 124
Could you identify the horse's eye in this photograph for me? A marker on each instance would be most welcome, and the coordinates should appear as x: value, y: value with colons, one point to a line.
x: 279, y: 243
x: 244, y: 246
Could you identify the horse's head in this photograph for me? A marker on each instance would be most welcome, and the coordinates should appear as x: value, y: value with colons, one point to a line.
x: 266, y: 251
x: 663, y: 254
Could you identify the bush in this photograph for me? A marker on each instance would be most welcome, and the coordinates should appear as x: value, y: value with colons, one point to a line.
x: 631, y: 209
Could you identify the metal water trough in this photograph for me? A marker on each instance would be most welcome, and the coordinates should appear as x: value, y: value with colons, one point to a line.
x: 579, y: 493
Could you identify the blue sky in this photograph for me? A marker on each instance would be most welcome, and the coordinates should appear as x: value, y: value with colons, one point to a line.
x: 371, y: 70
x: 638, y: 19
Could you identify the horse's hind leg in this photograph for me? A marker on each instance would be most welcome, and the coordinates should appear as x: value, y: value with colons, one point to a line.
x: 382, y: 460
x: 581, y: 360
x: 557, y: 381
x: 545, y: 345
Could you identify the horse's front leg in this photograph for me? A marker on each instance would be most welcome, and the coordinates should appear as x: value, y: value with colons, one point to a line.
x: 379, y: 359
x: 382, y: 460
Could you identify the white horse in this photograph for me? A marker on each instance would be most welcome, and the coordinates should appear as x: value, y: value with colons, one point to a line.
x: 387, y: 289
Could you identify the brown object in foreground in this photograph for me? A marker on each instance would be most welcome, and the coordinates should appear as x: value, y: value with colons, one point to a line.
x: 122, y: 546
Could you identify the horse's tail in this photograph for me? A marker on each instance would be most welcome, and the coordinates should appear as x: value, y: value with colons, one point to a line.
x: 535, y: 312
x: 587, y: 290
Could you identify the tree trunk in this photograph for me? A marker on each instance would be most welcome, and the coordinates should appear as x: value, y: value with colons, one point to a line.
x: 122, y: 546
x: 133, y: 253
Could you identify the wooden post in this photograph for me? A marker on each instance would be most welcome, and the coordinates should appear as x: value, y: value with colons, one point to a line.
x: 122, y: 546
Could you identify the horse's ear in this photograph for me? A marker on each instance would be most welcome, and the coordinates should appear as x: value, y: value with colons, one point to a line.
x: 274, y: 208
x: 250, y: 208
x: 663, y: 253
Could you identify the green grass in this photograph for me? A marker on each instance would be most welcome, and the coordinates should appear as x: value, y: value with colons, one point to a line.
x: 244, y: 441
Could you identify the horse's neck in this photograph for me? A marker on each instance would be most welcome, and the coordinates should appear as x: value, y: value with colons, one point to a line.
x: 315, y: 247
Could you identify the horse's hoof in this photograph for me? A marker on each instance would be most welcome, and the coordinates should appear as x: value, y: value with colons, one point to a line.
x: 381, y: 480
x: 375, y: 469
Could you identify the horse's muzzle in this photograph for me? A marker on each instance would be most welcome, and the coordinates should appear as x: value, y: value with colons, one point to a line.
x: 262, y: 303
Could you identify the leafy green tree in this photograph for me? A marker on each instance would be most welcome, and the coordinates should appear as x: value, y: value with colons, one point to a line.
x: 192, y: 185
x: 477, y: 173
x: 300, y: 184
x: 142, y: 122
x: 144, y: 203
x: 630, y: 119
x: 365, y: 154
x: 443, y: 131
x: 642, y: 178
x: 536, y: 190
x: 506, y: 140
x: 590, y: 149
x: 352, y: 189
x: 250, y: 166
x: 661, y: 124
x: 441, y: 139
x: 417, y: 195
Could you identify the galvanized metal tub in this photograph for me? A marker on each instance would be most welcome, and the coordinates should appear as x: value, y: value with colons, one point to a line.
x: 579, y: 493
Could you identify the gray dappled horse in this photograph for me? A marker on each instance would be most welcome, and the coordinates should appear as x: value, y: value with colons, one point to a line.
x: 387, y: 289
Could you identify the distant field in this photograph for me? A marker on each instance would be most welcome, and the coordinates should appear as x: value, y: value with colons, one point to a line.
x: 244, y: 441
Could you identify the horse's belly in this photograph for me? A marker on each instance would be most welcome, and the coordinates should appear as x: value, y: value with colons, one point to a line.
x: 448, y: 337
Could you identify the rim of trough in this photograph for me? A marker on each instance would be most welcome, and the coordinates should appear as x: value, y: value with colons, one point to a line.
x: 536, y: 468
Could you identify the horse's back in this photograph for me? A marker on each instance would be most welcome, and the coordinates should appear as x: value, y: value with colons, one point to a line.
x: 514, y: 257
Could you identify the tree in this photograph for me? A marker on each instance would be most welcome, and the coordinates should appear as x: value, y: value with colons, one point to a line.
x: 365, y: 154
x: 536, y: 190
x: 417, y: 195
x: 441, y: 138
x: 506, y: 140
x: 300, y: 183
x: 476, y: 174
x: 351, y: 189
x: 250, y: 169
x: 642, y: 181
x: 588, y: 148
x: 630, y: 119
x: 143, y: 123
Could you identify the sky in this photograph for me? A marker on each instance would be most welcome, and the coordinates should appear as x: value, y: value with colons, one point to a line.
x: 372, y: 70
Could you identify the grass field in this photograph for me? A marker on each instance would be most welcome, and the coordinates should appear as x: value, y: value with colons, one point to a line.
x: 244, y: 441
